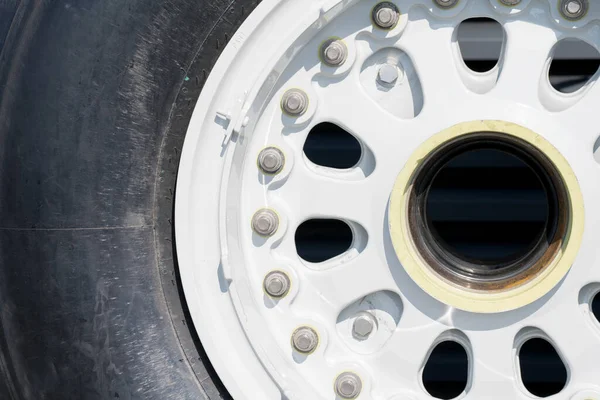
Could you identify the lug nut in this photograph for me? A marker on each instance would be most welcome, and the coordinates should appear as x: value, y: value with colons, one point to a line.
x: 363, y: 326
x: 446, y: 3
x: 574, y: 9
x: 385, y: 15
x: 510, y: 3
x: 271, y: 160
x: 305, y: 340
x: 294, y: 102
x: 387, y: 74
x: 334, y: 52
x: 348, y: 385
x: 277, y: 284
x: 265, y: 222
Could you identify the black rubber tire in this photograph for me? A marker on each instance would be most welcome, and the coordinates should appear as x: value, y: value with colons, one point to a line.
x: 96, y: 99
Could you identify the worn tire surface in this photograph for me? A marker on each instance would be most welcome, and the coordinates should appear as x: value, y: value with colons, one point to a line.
x: 96, y: 98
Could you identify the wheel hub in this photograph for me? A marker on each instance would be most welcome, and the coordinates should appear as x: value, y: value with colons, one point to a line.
x: 365, y: 321
x: 500, y: 284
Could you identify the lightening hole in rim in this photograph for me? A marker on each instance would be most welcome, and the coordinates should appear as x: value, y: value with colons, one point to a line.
x: 446, y: 372
x: 318, y: 240
x: 596, y: 150
x: 328, y: 145
x: 543, y: 372
x: 480, y: 41
x: 574, y: 63
x: 595, y: 306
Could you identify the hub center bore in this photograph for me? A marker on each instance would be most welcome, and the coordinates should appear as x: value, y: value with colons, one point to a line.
x: 488, y: 211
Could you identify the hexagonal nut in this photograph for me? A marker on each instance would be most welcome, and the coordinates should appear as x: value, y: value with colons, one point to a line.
x: 265, y: 222
x: 363, y: 326
x: 388, y: 74
x: 294, y: 102
x: 305, y: 340
x: 446, y: 3
x: 510, y: 3
x: 334, y: 52
x: 348, y: 385
x: 574, y: 10
x: 277, y: 284
x: 385, y: 15
x: 271, y: 160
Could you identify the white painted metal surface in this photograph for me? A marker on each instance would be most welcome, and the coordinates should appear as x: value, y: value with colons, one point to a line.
x: 223, y: 263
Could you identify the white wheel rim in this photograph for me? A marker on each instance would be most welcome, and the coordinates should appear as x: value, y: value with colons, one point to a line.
x: 222, y: 264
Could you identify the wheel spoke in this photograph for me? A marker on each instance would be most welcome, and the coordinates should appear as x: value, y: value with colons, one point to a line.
x: 347, y: 282
x: 576, y: 340
x: 433, y: 51
x: 373, y: 125
x: 408, y: 350
x: 378, y: 129
x: 494, y: 365
x: 526, y: 53
x: 580, y: 118
x: 312, y: 195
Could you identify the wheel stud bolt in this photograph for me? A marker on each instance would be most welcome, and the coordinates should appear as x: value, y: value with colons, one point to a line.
x: 277, y: 284
x: 305, y: 340
x: 265, y: 222
x: 294, y: 102
x: 385, y: 15
x: 348, y: 385
x: 574, y: 9
x: 446, y: 3
x: 334, y: 52
x: 387, y: 74
x: 271, y: 160
x: 363, y: 326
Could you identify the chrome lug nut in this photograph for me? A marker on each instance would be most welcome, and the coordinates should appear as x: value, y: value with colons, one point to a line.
x: 277, y: 284
x: 334, y: 52
x: 363, y: 326
x: 574, y: 9
x: 387, y: 74
x: 265, y: 222
x: 348, y: 385
x: 305, y: 340
x: 271, y: 160
x: 446, y: 3
x: 294, y: 102
x: 385, y: 15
